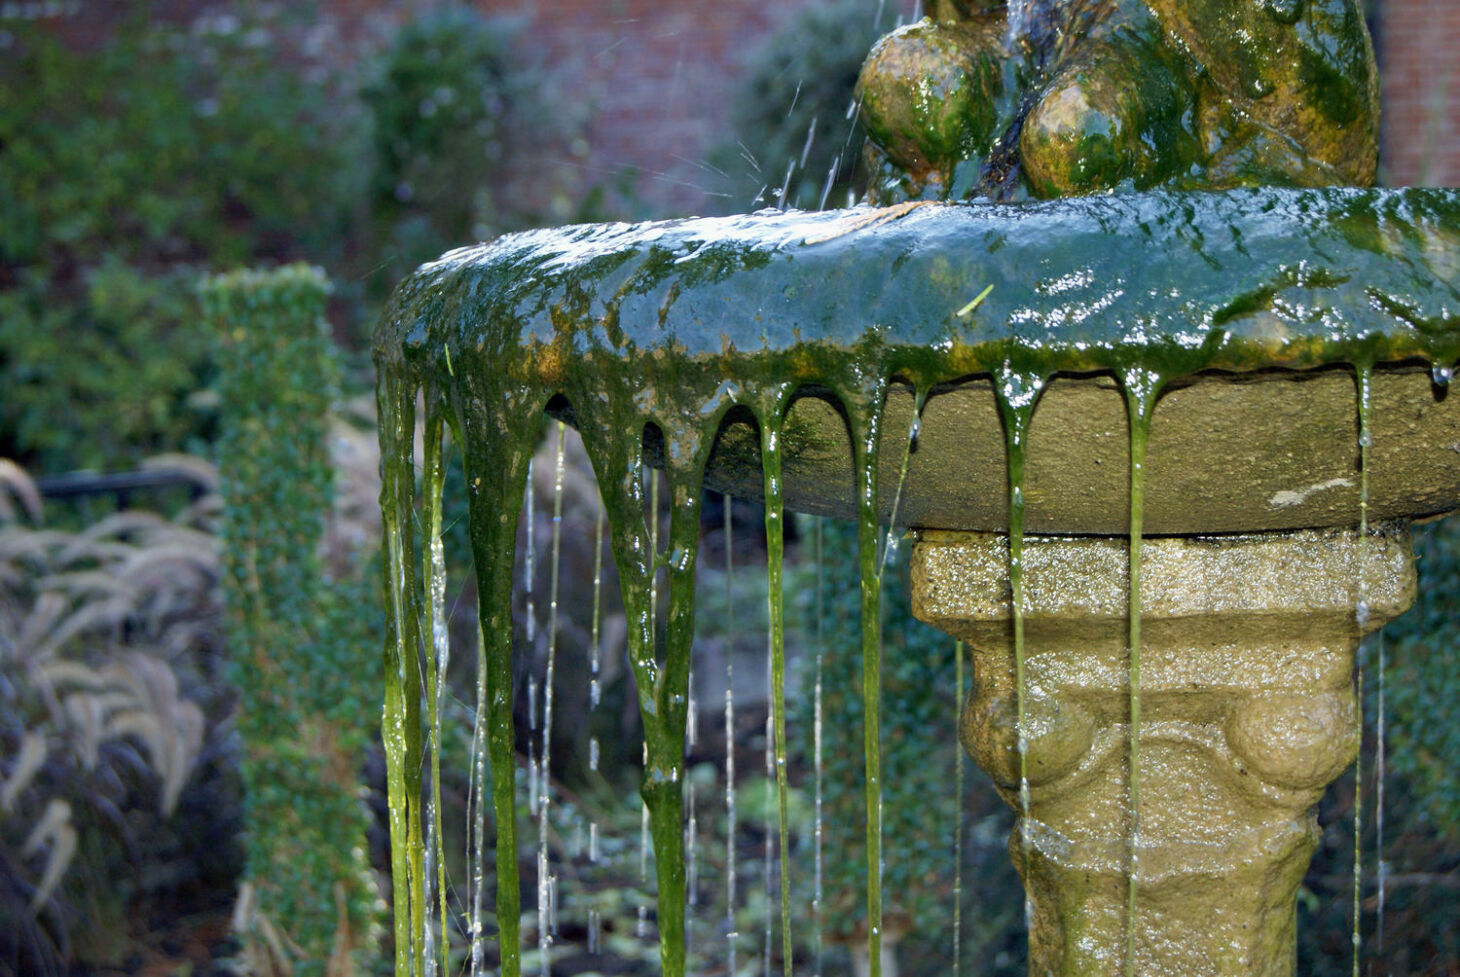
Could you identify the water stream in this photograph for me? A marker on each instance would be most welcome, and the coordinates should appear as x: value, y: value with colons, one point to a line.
x: 731, y: 933
x: 1364, y: 378
x: 1141, y: 386
x: 647, y: 336
x: 1017, y: 393
x: 770, y: 448
x: 546, y: 890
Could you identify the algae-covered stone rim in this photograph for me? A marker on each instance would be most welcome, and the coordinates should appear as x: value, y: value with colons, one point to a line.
x: 1219, y: 296
x: 1177, y: 282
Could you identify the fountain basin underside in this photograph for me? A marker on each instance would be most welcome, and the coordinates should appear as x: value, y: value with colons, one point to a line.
x: 1227, y: 453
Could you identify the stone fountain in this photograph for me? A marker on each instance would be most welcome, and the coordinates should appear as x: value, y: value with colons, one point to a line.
x: 1159, y: 384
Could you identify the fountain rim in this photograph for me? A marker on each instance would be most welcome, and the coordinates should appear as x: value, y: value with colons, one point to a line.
x: 1305, y: 269
x: 683, y: 320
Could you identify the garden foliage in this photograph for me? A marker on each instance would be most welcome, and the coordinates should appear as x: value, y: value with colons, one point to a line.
x: 443, y: 103
x: 127, y: 170
x: 114, y: 796
x: 303, y: 645
x: 1423, y: 679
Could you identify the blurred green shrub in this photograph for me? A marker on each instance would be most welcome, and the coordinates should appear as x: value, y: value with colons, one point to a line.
x: 240, y: 136
x: 123, y: 171
x: 303, y: 646
x: 444, y: 98
x: 1423, y: 682
x: 795, y: 116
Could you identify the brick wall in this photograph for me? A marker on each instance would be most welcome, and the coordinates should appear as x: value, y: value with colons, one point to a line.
x: 1418, y: 44
x: 648, y: 85
x: 655, y: 81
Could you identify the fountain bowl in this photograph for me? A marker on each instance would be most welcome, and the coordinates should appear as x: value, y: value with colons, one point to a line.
x: 1251, y: 308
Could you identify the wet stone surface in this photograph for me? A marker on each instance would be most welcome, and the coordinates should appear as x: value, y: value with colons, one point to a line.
x: 1053, y: 98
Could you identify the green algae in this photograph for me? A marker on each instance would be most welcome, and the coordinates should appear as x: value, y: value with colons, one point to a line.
x: 433, y: 571
x: 1142, y: 387
x: 401, y: 719
x: 769, y: 417
x: 1053, y: 99
x: 1017, y: 394
x: 865, y: 419
x: 646, y: 336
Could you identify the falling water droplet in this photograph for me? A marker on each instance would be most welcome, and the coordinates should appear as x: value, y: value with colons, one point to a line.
x: 785, y: 188
x: 691, y: 843
x: 593, y: 844
x: 593, y: 753
x: 1441, y: 374
x: 644, y: 843
x: 532, y: 774
x: 1364, y: 377
x: 957, y: 812
x: 544, y: 913
x: 731, y: 934
x: 547, y: 883
x: 529, y: 557
x: 818, y: 823
x: 1379, y: 777
x: 831, y: 172
x: 889, y: 547
x: 692, y: 714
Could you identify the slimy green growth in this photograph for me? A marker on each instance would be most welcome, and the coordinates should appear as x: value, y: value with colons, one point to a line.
x: 624, y: 330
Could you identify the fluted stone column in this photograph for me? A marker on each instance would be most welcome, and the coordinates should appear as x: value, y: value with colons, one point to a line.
x: 1248, y: 712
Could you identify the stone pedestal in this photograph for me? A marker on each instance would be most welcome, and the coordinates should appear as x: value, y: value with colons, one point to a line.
x: 1248, y: 712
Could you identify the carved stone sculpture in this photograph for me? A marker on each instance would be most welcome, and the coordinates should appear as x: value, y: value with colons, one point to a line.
x: 1060, y: 97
